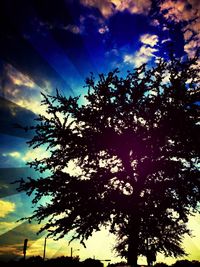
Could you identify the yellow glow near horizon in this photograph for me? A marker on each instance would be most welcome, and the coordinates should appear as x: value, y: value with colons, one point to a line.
x: 100, y: 246
x: 6, y: 207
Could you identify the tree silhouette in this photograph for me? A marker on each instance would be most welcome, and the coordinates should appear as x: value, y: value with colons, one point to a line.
x: 134, y: 145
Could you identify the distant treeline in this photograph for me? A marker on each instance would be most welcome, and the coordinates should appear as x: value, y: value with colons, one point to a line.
x: 180, y: 263
x: 37, y: 261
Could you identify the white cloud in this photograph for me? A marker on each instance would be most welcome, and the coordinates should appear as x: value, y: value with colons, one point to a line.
x: 178, y: 11
x: 104, y: 6
x: 14, y: 154
x: 19, y: 78
x: 29, y: 155
x: 165, y: 28
x: 21, y: 90
x: 165, y: 41
x: 38, y: 153
x: 155, y: 23
x: 142, y: 56
x: 188, y: 34
x: 133, y: 6
x: 146, y: 51
x: 6, y: 208
x: 103, y: 29
x: 129, y: 59
x: 192, y: 44
x: 109, y: 7
x: 149, y: 39
x: 191, y: 47
x: 32, y: 104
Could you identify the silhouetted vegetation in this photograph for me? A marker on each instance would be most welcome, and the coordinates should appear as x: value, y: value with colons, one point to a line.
x: 161, y: 264
x: 180, y: 263
x: 37, y: 261
x: 92, y: 262
x: 135, y: 147
x: 186, y: 263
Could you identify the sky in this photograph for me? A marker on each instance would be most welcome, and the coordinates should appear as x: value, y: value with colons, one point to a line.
x: 48, y: 45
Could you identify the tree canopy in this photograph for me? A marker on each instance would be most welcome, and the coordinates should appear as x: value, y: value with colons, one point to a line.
x: 134, y: 145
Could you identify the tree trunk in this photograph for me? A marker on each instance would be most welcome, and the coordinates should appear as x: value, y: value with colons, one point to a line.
x: 133, y: 241
x: 132, y: 255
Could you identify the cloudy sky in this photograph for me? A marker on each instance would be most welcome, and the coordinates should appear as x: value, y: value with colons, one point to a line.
x: 46, y: 45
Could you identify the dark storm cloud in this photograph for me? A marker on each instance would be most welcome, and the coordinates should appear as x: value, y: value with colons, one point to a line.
x: 9, y: 175
x: 15, y: 48
x: 33, y: 18
x: 13, y: 116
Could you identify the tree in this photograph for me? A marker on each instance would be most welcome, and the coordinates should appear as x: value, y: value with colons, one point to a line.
x: 92, y: 263
x: 135, y: 147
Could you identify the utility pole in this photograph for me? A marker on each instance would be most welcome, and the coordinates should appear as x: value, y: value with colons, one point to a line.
x: 25, y: 247
x: 73, y: 251
x: 45, y: 243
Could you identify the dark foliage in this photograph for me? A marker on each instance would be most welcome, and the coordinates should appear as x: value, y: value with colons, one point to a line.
x: 37, y: 261
x: 92, y: 262
x: 135, y: 144
x: 186, y: 263
x: 117, y: 264
x: 160, y: 264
